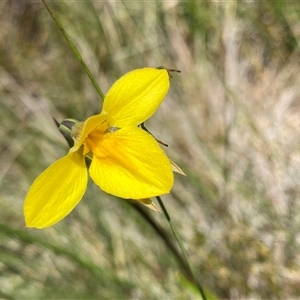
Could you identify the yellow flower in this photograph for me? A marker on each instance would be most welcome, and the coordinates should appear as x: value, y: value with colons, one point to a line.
x: 126, y: 161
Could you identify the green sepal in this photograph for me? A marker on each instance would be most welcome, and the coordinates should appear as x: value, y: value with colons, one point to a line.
x: 65, y: 129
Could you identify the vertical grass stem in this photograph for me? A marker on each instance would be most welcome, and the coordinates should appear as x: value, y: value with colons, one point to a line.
x: 76, y: 52
x: 179, y: 241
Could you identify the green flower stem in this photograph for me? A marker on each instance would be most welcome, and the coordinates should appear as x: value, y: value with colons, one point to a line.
x: 179, y: 241
x: 76, y: 52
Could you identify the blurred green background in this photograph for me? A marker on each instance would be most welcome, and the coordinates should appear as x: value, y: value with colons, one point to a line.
x: 232, y: 123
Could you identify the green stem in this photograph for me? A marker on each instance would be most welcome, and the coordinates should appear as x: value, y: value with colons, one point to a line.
x: 179, y: 241
x: 76, y: 52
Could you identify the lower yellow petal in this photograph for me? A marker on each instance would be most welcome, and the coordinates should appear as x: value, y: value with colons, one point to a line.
x: 129, y: 163
x: 55, y: 193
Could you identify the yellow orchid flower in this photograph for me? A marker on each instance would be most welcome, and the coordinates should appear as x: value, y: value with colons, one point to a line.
x: 126, y: 161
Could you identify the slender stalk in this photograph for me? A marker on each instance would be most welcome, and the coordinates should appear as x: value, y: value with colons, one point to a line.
x: 179, y: 241
x: 76, y: 52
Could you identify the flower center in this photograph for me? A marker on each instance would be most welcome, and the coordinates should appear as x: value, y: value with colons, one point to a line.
x: 94, y: 138
x: 95, y: 142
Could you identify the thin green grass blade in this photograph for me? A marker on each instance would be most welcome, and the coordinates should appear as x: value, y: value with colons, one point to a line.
x: 82, y: 261
x: 75, y: 51
x: 179, y: 241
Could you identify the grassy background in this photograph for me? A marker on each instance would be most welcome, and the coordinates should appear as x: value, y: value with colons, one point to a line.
x: 232, y: 123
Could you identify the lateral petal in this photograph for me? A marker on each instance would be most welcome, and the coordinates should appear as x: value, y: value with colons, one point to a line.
x: 81, y: 130
x: 134, y: 97
x: 55, y: 193
x: 129, y: 163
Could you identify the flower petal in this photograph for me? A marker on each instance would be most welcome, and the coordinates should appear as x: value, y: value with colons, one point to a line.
x: 81, y: 130
x: 55, y: 193
x: 135, y: 97
x: 129, y: 163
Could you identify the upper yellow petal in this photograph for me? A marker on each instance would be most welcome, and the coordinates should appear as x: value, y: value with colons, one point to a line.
x: 129, y: 163
x: 55, y: 193
x: 135, y: 96
x: 81, y: 130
